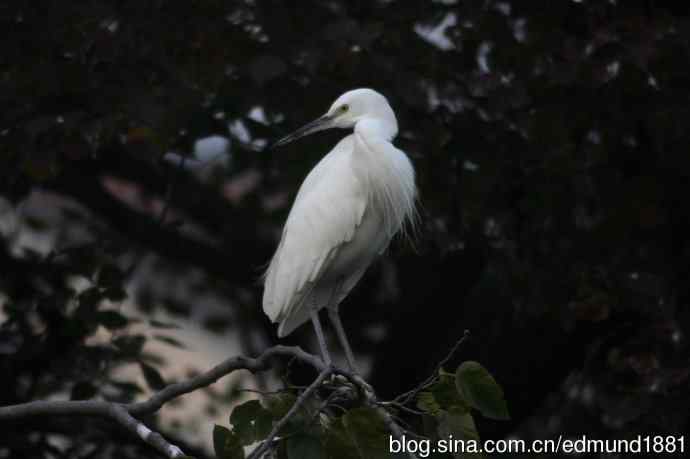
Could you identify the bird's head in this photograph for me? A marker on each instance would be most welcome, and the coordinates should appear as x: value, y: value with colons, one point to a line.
x: 348, y: 110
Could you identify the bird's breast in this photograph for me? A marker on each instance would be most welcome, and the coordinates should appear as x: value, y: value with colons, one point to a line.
x: 368, y: 241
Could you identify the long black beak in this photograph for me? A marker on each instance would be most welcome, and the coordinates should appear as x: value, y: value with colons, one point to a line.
x: 317, y: 125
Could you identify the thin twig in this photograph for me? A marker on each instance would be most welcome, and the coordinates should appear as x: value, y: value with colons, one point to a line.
x: 266, y: 443
x: 406, y: 397
x: 402, y: 407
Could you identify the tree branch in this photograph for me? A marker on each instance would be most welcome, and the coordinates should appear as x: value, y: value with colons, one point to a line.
x: 114, y: 411
x: 410, y: 395
x: 214, y: 374
x: 266, y: 443
x: 124, y: 414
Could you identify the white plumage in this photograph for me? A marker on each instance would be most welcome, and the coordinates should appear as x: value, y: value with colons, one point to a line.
x: 345, y: 214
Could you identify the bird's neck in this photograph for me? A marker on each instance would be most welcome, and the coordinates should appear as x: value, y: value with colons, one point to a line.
x: 377, y: 128
x: 385, y: 173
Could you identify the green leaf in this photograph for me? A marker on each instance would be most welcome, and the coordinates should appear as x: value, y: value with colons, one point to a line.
x: 304, y: 447
x: 280, y: 404
x: 446, y: 394
x: 481, y: 390
x: 263, y: 425
x: 226, y: 444
x: 152, y: 376
x: 368, y: 432
x: 251, y: 422
x: 301, y: 422
x: 427, y: 403
x: 429, y: 426
x: 338, y: 443
x: 111, y: 319
x: 460, y: 425
x: 442, y: 395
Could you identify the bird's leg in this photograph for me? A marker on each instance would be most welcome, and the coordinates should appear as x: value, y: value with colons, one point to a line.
x: 342, y: 337
x: 319, y: 336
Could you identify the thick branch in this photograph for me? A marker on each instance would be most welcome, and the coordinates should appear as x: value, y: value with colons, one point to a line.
x: 120, y: 414
x: 114, y: 411
x: 214, y: 374
x: 124, y: 414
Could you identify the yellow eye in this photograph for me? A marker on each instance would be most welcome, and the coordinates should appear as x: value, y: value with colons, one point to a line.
x: 344, y: 108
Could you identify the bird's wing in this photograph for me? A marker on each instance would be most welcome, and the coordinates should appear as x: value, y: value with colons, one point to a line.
x: 328, y: 209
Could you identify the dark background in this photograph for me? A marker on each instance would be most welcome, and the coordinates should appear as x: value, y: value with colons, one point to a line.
x: 551, y: 145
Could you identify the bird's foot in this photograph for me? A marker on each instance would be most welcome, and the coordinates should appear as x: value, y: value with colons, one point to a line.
x: 351, y: 382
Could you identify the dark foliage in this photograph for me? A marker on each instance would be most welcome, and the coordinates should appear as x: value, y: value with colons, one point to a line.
x: 551, y: 144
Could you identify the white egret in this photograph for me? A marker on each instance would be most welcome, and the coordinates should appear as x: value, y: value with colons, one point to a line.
x: 345, y: 214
